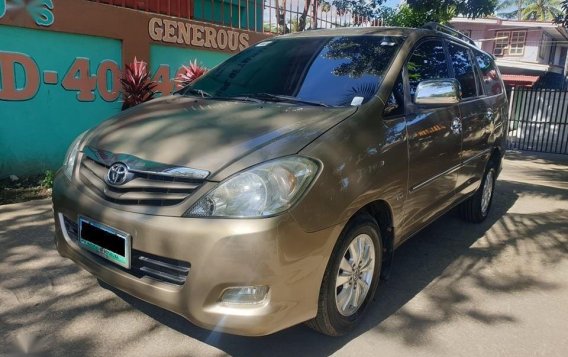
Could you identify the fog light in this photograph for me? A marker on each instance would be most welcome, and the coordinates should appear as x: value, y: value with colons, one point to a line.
x: 245, y: 295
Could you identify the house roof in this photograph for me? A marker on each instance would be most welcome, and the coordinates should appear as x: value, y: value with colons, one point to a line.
x: 554, y: 30
x: 520, y: 80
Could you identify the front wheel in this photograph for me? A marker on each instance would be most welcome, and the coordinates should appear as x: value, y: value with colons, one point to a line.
x: 476, y: 208
x: 351, y: 277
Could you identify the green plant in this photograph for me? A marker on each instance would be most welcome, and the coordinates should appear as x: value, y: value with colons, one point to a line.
x: 137, y: 87
x: 188, y: 74
x: 47, y: 180
x: 468, y: 8
x: 407, y: 16
x: 563, y: 18
x: 542, y: 10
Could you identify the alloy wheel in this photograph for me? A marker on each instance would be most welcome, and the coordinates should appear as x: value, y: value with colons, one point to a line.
x: 355, y: 275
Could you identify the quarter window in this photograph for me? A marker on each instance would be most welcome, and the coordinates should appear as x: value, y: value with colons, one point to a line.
x: 463, y: 70
x: 428, y: 61
x: 489, y: 74
x: 395, y: 102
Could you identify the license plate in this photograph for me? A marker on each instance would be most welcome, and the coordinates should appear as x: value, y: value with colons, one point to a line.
x: 105, y: 241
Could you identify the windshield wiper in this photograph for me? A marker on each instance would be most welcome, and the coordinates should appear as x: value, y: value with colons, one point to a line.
x: 204, y: 94
x: 198, y: 92
x: 283, y: 98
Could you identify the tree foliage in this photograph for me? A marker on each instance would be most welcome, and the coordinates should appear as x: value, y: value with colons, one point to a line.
x: 539, y: 10
x: 363, y: 8
x: 468, y: 8
x: 563, y: 19
x: 406, y: 16
x: 542, y: 10
x: 357, y: 8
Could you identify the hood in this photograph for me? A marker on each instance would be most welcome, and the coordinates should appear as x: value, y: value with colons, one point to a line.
x: 211, y: 134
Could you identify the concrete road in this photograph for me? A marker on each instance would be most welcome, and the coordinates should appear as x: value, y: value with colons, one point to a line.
x: 496, y: 289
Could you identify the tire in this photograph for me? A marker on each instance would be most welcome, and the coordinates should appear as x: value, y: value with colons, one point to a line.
x: 339, y: 312
x: 476, y: 208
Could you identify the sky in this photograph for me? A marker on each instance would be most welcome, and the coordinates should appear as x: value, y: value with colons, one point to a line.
x: 392, y: 3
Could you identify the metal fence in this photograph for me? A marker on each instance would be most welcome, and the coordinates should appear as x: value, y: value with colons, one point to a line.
x: 273, y: 16
x: 538, y: 120
x: 284, y: 16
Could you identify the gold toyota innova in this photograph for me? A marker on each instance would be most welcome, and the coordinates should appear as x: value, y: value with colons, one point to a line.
x: 275, y: 189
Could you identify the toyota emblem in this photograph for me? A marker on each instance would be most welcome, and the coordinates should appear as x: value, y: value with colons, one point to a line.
x: 117, y: 174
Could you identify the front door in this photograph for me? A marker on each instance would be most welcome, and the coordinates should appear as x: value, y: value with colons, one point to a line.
x: 434, y: 140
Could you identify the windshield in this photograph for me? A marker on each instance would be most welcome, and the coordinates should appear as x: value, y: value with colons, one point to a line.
x: 334, y: 71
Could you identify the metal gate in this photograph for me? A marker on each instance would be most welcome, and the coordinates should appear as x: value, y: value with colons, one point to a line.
x: 538, y: 120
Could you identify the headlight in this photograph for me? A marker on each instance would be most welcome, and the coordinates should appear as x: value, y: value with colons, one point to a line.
x: 71, y: 156
x: 260, y: 191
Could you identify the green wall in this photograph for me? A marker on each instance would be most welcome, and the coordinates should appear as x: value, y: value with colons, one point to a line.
x: 175, y: 57
x: 35, y: 133
x: 210, y: 11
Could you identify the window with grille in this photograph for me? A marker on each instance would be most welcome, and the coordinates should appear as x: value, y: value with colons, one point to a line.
x: 517, y: 43
x: 501, y: 43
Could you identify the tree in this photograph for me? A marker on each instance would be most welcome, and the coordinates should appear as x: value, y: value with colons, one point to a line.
x: 542, y: 10
x: 406, y: 16
x: 469, y: 8
x: 539, y: 10
x: 563, y: 19
x: 511, y: 9
x: 358, y: 8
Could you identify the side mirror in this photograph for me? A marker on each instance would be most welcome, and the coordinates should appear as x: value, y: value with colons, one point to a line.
x: 438, y: 92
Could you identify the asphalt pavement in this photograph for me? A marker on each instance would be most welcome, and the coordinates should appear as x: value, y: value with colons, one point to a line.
x: 499, y: 288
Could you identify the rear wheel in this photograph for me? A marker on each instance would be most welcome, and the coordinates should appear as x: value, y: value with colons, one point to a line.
x: 476, y: 208
x: 351, y: 277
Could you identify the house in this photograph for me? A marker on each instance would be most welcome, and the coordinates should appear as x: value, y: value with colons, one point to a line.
x: 528, y: 53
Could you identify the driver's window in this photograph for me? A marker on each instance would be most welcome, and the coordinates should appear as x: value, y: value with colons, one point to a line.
x: 428, y: 61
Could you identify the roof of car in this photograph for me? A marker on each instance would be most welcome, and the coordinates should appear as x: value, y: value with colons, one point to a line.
x: 376, y: 30
x: 346, y: 31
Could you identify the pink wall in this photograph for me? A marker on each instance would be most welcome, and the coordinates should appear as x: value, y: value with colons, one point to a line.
x: 485, y: 31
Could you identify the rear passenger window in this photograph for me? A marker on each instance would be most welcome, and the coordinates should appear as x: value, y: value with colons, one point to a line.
x: 428, y: 61
x: 463, y: 70
x: 489, y: 74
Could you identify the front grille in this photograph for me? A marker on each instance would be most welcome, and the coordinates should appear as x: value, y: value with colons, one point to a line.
x: 159, y: 268
x: 143, y: 264
x: 143, y: 189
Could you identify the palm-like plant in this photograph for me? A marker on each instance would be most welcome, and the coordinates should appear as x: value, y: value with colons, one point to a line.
x: 189, y: 73
x: 511, y: 9
x: 137, y: 87
x: 539, y: 10
x: 542, y: 10
x: 563, y: 19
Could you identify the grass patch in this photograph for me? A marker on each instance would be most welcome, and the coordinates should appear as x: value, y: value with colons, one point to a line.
x: 26, y: 188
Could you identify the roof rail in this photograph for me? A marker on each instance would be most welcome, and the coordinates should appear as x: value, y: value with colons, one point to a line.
x: 448, y: 30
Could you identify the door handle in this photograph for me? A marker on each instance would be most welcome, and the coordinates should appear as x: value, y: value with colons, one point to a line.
x: 456, y: 126
x: 489, y: 116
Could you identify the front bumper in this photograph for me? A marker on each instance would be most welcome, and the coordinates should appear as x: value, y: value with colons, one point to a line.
x: 222, y: 253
